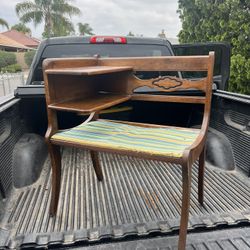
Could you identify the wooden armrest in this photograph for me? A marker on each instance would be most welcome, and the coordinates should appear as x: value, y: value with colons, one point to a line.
x: 196, y: 148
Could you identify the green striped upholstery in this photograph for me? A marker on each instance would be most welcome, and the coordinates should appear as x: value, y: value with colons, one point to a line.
x: 111, y: 135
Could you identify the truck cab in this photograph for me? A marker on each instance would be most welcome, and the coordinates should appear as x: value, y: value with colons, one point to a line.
x: 139, y: 204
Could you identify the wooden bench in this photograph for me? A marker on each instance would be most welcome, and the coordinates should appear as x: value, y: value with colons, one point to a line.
x: 89, y: 85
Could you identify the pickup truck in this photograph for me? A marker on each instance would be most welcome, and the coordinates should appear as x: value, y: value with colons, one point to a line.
x: 125, y: 212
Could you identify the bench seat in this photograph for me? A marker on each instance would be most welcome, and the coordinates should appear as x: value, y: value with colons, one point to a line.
x: 165, y: 141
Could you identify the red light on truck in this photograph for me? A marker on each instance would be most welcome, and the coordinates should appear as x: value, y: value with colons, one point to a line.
x: 108, y: 39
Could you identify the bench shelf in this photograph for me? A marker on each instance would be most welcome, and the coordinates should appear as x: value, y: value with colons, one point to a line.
x: 94, y: 70
x: 91, y: 104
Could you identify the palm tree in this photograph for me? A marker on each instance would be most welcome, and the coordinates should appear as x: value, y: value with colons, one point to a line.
x: 63, y: 27
x: 54, y: 13
x: 85, y: 29
x: 21, y: 28
x: 4, y: 23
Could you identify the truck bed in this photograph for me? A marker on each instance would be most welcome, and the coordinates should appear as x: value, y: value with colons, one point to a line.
x: 136, y: 198
x: 228, y: 239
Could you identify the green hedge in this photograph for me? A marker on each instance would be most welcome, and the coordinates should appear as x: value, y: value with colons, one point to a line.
x: 7, y: 58
x: 240, y: 74
x: 13, y: 68
x: 28, y: 57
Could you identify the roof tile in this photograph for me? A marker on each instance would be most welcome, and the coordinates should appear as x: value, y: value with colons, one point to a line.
x: 8, y: 42
x: 21, y: 38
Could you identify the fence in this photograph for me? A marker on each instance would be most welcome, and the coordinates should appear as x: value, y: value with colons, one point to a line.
x: 9, y: 82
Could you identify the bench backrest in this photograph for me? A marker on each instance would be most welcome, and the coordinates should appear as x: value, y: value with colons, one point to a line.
x: 162, y: 84
x: 168, y: 83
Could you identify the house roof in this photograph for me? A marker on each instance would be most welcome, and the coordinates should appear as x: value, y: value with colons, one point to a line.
x: 8, y: 42
x: 22, y: 38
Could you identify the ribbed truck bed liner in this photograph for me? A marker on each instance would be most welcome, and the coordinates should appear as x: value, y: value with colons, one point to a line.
x: 136, y: 198
x: 229, y: 239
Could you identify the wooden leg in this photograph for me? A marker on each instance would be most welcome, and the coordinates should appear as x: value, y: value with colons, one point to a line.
x: 201, y: 177
x: 55, y: 157
x: 96, y: 165
x: 186, y: 188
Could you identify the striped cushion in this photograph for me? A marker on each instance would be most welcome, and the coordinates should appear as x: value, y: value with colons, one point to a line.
x: 111, y: 135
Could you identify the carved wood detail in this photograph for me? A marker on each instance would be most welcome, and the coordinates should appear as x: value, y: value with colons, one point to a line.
x: 168, y: 83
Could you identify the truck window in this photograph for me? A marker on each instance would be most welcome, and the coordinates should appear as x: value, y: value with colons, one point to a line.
x: 182, y: 50
x: 103, y: 50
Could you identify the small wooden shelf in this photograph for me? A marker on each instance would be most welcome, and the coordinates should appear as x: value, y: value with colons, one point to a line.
x: 90, y: 104
x: 94, y: 70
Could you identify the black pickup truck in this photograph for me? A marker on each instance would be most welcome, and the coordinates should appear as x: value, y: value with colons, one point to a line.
x: 125, y: 212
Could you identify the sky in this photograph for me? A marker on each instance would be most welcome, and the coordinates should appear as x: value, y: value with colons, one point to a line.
x: 114, y: 17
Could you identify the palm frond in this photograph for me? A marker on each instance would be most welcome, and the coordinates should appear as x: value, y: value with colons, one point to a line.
x: 61, y: 6
x: 25, y: 7
x: 62, y: 26
x: 59, y: 20
x: 4, y: 23
x: 35, y: 16
x: 85, y: 29
x: 21, y: 28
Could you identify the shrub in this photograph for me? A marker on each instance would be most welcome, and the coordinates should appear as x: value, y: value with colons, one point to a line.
x: 220, y: 21
x: 11, y: 68
x: 7, y: 58
x: 29, y: 55
x: 239, y: 74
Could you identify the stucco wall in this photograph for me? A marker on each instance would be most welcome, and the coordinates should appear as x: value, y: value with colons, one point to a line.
x: 21, y: 61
